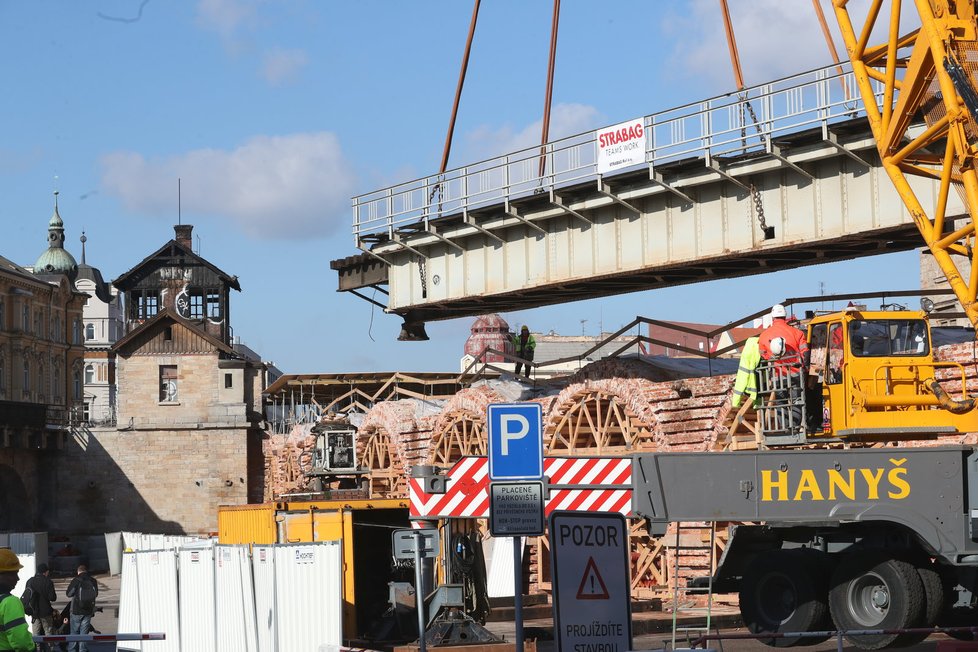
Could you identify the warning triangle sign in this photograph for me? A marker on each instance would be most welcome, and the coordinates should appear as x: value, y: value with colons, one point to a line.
x: 592, y: 586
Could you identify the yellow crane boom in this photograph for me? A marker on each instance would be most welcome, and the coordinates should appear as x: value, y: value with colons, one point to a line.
x: 928, y: 72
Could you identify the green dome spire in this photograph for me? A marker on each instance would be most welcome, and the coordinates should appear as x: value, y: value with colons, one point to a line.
x: 56, y: 259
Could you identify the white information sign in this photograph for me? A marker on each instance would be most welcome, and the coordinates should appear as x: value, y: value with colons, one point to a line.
x: 592, y: 604
x: 621, y: 146
x: 516, y: 509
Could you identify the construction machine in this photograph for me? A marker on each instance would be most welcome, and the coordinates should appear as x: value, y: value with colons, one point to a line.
x: 872, y: 378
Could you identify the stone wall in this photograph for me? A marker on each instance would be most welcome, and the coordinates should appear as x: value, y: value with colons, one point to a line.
x: 23, y: 491
x: 165, y: 481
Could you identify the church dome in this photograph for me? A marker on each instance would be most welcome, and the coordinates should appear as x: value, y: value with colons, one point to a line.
x: 492, y: 332
x: 56, y: 259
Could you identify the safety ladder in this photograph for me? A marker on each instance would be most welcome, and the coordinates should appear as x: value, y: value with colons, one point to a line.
x: 690, y: 546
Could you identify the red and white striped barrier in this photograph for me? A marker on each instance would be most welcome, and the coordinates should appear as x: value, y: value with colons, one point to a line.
x: 580, y: 484
x: 98, y: 638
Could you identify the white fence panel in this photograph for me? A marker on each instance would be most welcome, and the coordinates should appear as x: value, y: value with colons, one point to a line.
x: 263, y: 565
x: 158, y: 603
x: 197, y: 626
x: 309, y: 595
x: 235, y: 600
x: 129, y: 603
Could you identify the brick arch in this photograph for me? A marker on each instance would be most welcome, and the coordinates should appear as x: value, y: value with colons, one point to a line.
x: 15, y: 512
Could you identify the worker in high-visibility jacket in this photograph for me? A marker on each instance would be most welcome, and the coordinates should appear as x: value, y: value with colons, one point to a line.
x: 746, y: 381
x: 14, y: 632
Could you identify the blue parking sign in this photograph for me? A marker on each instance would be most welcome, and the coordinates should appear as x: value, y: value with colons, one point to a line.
x: 515, y: 441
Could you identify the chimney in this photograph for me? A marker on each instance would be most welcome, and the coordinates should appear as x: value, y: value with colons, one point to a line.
x: 183, y: 235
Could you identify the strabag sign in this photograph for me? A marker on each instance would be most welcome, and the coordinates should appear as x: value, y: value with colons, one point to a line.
x: 621, y: 146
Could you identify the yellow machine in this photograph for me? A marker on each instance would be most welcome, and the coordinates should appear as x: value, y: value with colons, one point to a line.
x: 364, y: 527
x: 930, y: 73
x: 877, y: 374
x: 872, y: 378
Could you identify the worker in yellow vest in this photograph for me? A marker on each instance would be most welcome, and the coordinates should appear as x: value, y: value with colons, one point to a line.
x: 14, y: 633
x: 746, y: 381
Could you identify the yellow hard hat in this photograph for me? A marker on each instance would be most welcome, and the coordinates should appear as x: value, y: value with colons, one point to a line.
x: 8, y: 561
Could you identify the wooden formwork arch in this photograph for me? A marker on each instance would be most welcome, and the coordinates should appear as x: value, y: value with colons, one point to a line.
x: 380, y: 457
x: 594, y: 421
x: 457, y: 434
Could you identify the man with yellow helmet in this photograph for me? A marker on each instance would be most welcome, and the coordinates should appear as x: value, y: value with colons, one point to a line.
x: 14, y: 633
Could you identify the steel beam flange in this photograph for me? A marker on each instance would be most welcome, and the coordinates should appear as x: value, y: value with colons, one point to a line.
x: 605, y: 190
x: 716, y: 167
x: 659, y: 180
x: 468, y: 220
x: 432, y: 229
x: 558, y: 202
x: 397, y: 239
x: 775, y: 152
x: 510, y: 210
x: 833, y: 140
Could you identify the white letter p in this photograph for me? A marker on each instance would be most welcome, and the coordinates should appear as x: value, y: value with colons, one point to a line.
x: 507, y: 435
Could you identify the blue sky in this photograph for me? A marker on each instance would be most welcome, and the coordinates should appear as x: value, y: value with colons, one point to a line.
x: 273, y: 113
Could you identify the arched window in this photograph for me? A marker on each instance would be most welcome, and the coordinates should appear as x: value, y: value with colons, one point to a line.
x: 76, y: 385
x: 89, y: 374
x: 90, y: 331
x: 40, y: 377
x: 56, y: 382
x: 27, y: 378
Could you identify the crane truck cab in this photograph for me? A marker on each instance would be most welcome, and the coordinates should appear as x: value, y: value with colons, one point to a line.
x: 872, y: 377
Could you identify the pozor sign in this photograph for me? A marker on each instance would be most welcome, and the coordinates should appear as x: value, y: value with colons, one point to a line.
x: 621, y: 146
x: 592, y: 604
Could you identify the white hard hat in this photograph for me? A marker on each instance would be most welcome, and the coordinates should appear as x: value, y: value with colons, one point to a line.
x: 778, y: 311
x: 777, y: 347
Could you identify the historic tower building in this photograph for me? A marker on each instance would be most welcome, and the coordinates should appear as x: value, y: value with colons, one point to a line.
x: 188, y: 430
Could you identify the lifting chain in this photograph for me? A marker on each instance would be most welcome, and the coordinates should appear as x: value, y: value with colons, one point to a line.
x: 758, y: 207
x: 423, y: 275
x: 755, y: 195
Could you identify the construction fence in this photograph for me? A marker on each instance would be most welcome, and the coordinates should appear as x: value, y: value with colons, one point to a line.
x: 229, y: 598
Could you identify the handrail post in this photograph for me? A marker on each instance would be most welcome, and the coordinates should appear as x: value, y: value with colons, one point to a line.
x: 390, y: 213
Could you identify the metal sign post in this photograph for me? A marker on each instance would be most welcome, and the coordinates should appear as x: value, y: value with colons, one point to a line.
x: 421, y: 544
x: 516, y: 508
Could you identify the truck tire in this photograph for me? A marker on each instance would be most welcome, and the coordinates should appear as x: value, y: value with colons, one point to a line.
x: 783, y: 591
x: 872, y: 591
x: 933, y: 603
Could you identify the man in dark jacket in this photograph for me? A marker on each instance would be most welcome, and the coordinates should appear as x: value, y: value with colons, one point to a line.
x: 83, y: 590
x: 42, y: 595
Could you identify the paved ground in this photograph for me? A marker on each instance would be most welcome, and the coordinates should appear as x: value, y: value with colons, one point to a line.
x: 652, y: 630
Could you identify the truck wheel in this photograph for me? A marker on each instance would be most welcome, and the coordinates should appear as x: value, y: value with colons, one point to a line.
x: 933, y: 603
x: 780, y: 592
x: 874, y: 592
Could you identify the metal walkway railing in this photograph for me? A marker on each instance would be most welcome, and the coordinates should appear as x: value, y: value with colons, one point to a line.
x: 725, y: 126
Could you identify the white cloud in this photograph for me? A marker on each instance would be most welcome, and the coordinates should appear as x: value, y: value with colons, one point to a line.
x: 565, y: 120
x: 225, y: 17
x: 295, y: 186
x: 281, y: 66
x: 775, y: 38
